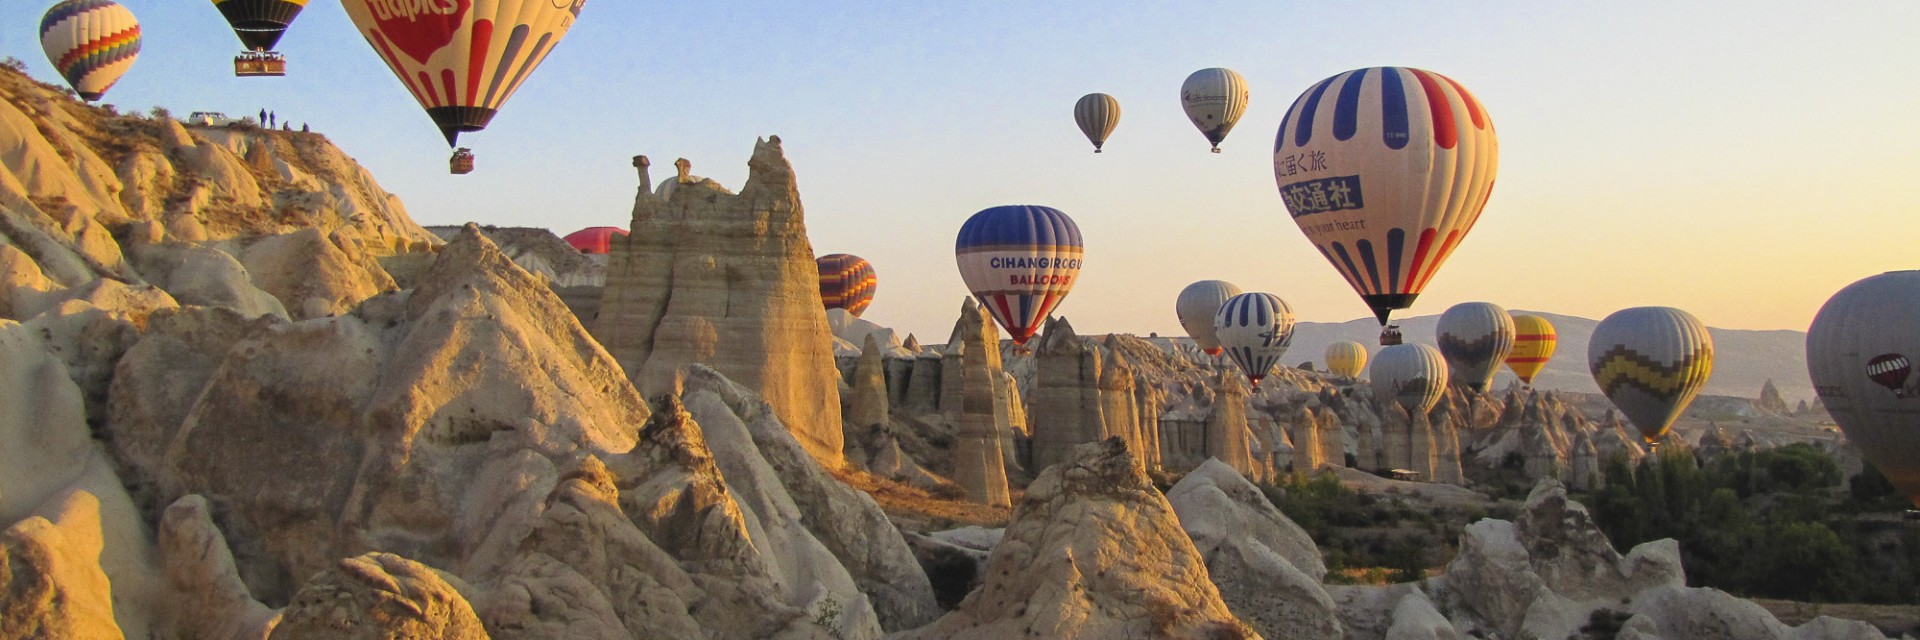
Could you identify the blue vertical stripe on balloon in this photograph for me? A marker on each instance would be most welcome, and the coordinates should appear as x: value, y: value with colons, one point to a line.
x: 1026, y: 312
x: 1373, y: 267
x: 1341, y: 250
x: 1346, y: 109
x: 1304, y: 132
x: 1260, y: 311
x: 1396, y: 244
x: 1393, y: 109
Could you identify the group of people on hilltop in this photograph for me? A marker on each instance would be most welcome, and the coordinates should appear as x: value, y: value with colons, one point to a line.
x: 270, y: 120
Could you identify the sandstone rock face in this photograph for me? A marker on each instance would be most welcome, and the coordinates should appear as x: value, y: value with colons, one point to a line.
x: 868, y: 405
x: 1227, y: 425
x: 378, y: 596
x: 979, y: 464
x: 204, y: 593
x: 51, y: 583
x: 1267, y: 569
x: 728, y: 281
x: 1066, y: 401
x: 1093, y: 551
x: 1675, y: 612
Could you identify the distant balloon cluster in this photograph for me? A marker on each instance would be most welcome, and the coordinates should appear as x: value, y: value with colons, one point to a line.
x: 460, y: 60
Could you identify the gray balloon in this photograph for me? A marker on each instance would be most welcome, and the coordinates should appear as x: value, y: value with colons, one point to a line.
x: 1860, y: 353
x: 1415, y: 375
x: 1476, y: 338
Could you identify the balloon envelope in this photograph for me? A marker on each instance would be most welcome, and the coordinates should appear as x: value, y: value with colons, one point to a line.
x: 462, y: 59
x: 260, y: 23
x: 1651, y: 362
x: 846, y: 282
x: 1533, y: 343
x: 1020, y: 261
x: 1860, y: 353
x: 91, y: 43
x: 1196, y: 307
x: 1475, y: 337
x: 1414, y: 375
x: 1097, y: 114
x: 1346, y: 359
x: 595, y: 240
x: 1385, y: 170
x: 1255, y: 329
x: 1214, y: 100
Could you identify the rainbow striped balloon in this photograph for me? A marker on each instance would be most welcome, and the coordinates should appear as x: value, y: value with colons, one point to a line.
x: 1020, y: 262
x: 1385, y: 169
x: 91, y: 43
x: 846, y: 282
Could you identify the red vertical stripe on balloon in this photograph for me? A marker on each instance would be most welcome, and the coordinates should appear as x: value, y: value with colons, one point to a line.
x: 446, y: 77
x: 1445, y: 133
x: 1473, y: 104
x: 433, y: 99
x: 380, y: 42
x: 477, y: 59
x: 1446, y: 249
x: 1419, y: 258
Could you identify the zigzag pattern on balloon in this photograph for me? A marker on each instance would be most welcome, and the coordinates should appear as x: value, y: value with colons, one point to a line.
x: 1485, y: 347
x: 1621, y: 367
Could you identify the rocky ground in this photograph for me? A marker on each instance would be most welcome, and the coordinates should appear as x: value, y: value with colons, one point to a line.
x: 222, y: 421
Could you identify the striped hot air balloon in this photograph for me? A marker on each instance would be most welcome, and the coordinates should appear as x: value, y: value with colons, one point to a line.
x: 1859, y: 354
x: 1414, y: 375
x: 1214, y: 100
x: 1347, y: 359
x: 1475, y: 337
x: 1097, y: 114
x: 91, y: 43
x: 1020, y: 261
x: 1533, y: 343
x: 846, y: 282
x: 1651, y: 362
x: 1196, y: 307
x: 1385, y: 170
x: 260, y: 23
x: 462, y: 59
x: 1255, y: 329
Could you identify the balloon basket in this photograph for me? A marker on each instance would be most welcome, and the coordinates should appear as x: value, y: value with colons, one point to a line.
x: 1390, y: 336
x: 1216, y: 149
x: 461, y: 163
x: 259, y: 64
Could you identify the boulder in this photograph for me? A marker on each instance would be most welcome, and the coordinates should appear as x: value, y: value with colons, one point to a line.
x: 1267, y: 569
x: 379, y: 596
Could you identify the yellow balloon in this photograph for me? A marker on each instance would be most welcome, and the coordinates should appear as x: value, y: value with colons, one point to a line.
x: 1533, y: 343
x: 1346, y: 359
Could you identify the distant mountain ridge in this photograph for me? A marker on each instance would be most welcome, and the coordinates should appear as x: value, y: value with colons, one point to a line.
x: 1743, y: 360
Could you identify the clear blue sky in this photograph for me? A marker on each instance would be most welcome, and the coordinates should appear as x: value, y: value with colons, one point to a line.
x: 1741, y: 160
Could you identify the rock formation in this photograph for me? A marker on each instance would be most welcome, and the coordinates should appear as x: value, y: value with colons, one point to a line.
x: 1307, y: 452
x: 729, y: 281
x: 1065, y: 404
x: 1267, y: 569
x: 379, y: 596
x: 979, y: 465
x: 1093, y: 551
x: 868, y: 404
x: 1226, y: 430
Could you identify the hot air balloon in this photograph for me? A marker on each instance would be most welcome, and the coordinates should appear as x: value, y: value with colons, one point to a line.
x: 595, y: 240
x: 1020, y: 261
x: 1533, y: 343
x: 1859, y: 353
x: 846, y: 282
x: 260, y: 23
x: 1214, y: 100
x: 462, y: 59
x: 1347, y: 359
x: 1475, y: 337
x: 1097, y: 114
x: 1255, y: 329
x: 91, y: 43
x: 1385, y: 169
x: 1651, y: 362
x: 1414, y: 375
x: 1196, y: 306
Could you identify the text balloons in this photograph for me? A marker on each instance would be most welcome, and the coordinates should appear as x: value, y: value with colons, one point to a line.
x: 846, y: 282
x: 1385, y: 170
x: 1097, y: 114
x: 1651, y: 362
x: 1214, y: 100
x: 91, y: 43
x: 1533, y: 344
x: 1475, y: 337
x: 1859, y: 353
x: 1196, y: 307
x: 1255, y: 329
x: 1020, y: 261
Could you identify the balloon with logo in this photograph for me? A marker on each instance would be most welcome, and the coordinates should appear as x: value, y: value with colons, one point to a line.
x: 846, y: 282
x: 1346, y: 359
x: 462, y: 59
x: 1020, y: 261
x: 1413, y: 375
x: 1214, y: 100
x: 1533, y: 343
x: 1255, y: 329
x: 1196, y: 307
x: 1475, y: 337
x: 260, y: 23
x: 1385, y: 170
x: 1651, y: 362
x: 1097, y: 114
x: 91, y: 43
x: 1860, y: 352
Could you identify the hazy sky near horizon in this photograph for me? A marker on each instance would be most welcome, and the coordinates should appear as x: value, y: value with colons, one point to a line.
x: 1741, y: 160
